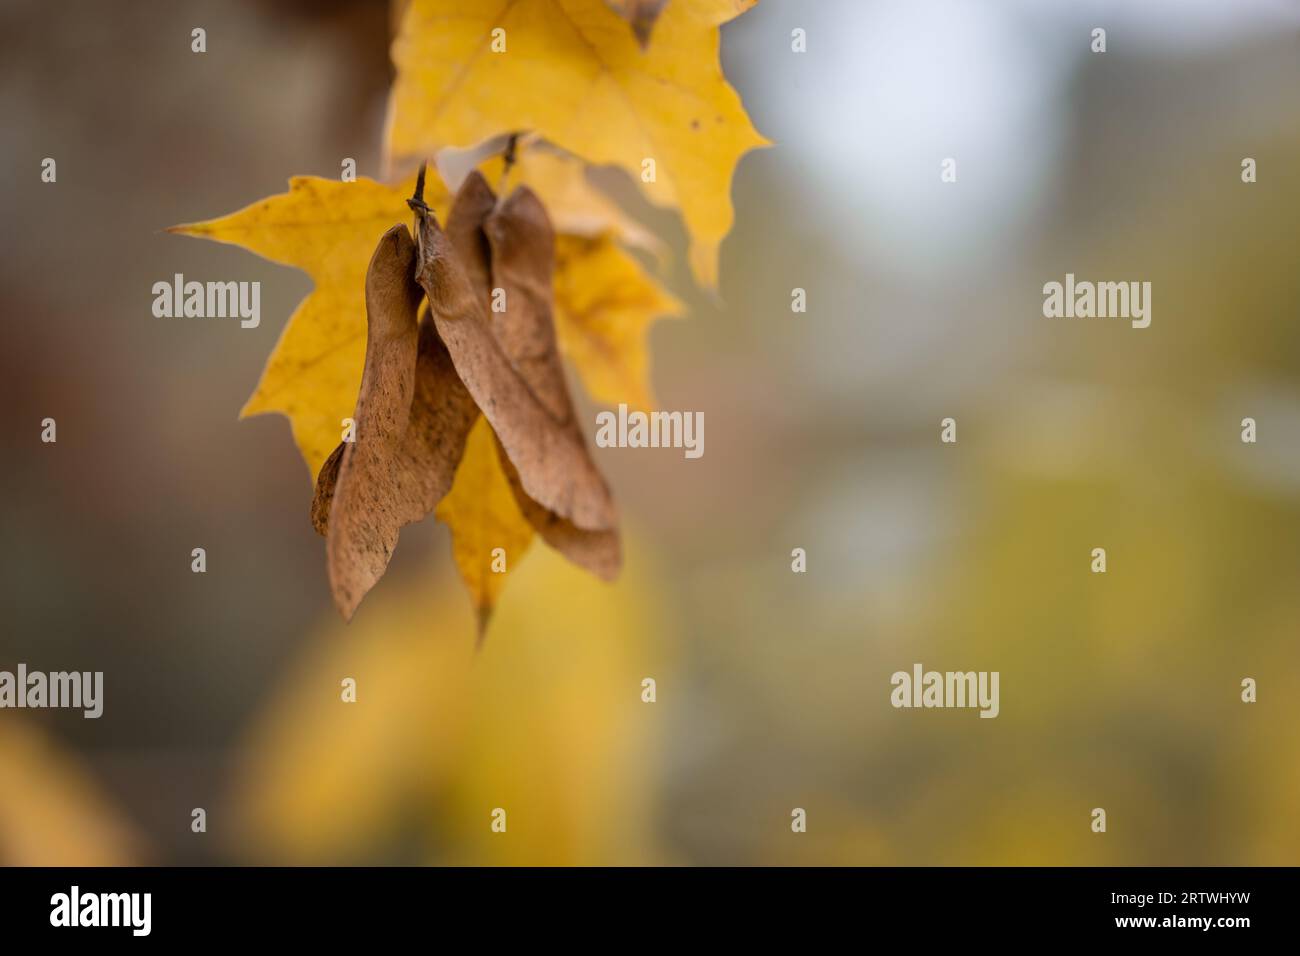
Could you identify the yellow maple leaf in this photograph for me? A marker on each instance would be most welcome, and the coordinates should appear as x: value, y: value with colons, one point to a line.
x: 604, y: 305
x: 571, y: 71
x: 482, y: 514
x: 327, y: 228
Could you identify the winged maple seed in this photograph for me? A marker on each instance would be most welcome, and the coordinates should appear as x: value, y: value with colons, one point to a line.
x: 425, y: 382
x: 553, y: 464
x: 522, y: 244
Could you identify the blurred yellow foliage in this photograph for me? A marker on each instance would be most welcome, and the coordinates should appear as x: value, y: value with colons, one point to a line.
x: 51, y: 811
x: 546, y: 722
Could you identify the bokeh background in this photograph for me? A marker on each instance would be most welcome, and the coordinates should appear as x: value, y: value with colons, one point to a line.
x: 1118, y: 691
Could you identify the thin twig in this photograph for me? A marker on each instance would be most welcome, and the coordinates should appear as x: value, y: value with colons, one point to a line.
x: 416, y: 202
x: 508, y: 162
